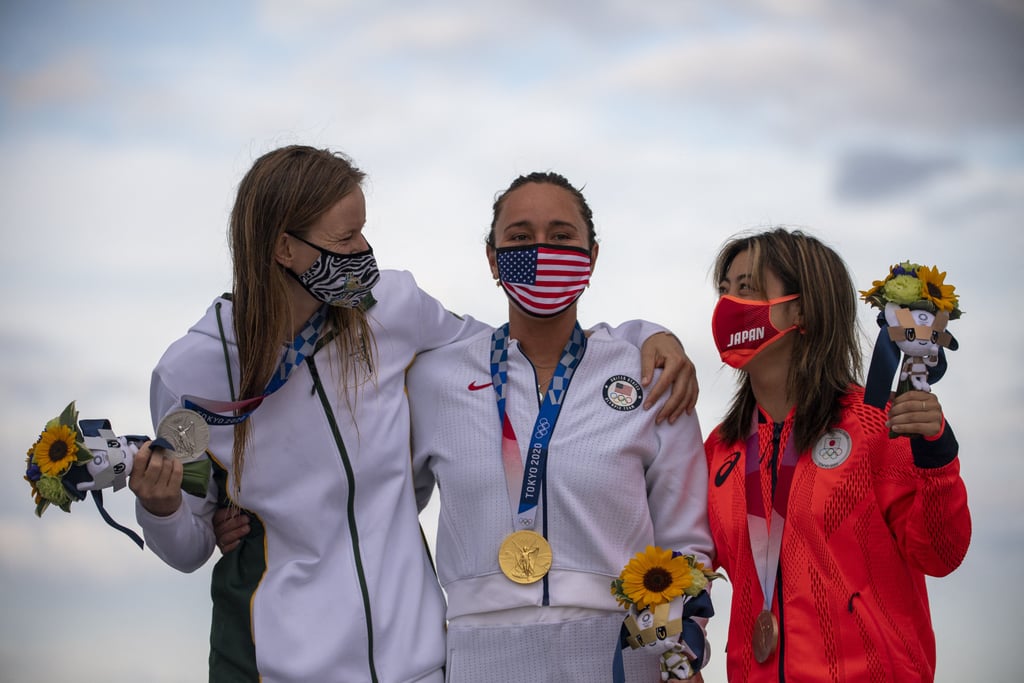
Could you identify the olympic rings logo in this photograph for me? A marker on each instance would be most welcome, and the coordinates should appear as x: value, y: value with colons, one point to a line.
x: 622, y: 392
x: 619, y: 399
x: 833, y: 449
x: 543, y: 427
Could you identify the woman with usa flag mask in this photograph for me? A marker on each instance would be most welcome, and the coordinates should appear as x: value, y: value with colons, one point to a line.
x: 551, y: 475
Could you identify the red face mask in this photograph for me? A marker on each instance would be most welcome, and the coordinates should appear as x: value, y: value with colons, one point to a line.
x: 743, y: 328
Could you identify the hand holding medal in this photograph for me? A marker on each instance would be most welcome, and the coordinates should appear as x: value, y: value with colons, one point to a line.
x: 186, y: 433
x: 73, y: 456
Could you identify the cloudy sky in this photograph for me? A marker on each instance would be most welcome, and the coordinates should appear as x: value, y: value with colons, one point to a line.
x: 892, y: 130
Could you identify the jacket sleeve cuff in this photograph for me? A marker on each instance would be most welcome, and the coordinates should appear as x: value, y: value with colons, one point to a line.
x: 937, y: 451
x: 693, y: 634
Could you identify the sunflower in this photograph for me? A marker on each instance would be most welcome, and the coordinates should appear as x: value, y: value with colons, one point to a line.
x: 56, y: 450
x: 935, y: 290
x: 876, y: 289
x: 877, y: 286
x: 654, y: 577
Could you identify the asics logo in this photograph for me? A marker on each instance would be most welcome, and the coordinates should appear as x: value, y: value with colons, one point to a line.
x: 726, y: 469
x: 473, y: 386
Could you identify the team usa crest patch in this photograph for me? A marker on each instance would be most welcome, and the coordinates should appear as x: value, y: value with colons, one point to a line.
x: 622, y: 392
x: 832, y: 449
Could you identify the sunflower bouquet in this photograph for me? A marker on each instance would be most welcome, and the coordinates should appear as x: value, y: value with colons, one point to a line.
x: 915, y: 305
x: 72, y: 457
x: 916, y: 287
x: 60, y: 446
x: 661, y: 590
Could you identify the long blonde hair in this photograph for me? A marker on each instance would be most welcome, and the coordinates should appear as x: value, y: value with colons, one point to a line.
x: 286, y: 190
x: 826, y: 356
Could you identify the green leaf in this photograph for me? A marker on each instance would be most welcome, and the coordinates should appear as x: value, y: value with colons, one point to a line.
x: 69, y: 417
x: 84, y: 455
x: 41, y: 507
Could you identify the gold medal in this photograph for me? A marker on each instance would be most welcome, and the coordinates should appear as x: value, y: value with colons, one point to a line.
x: 524, y: 556
x: 765, y: 636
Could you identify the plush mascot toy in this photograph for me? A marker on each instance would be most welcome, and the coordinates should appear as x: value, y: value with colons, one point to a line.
x: 915, y: 306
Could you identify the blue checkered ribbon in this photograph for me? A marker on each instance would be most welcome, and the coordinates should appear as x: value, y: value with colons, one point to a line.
x: 571, y: 355
x: 499, y: 366
x: 303, y: 345
x: 536, y: 458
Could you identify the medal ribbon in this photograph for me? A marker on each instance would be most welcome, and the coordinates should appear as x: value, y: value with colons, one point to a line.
x: 765, y: 537
x: 525, y: 480
x: 303, y: 345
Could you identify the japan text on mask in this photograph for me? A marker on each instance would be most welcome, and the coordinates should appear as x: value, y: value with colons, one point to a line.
x: 743, y: 328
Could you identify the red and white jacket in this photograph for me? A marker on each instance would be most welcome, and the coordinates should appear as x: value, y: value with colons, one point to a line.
x: 868, y: 518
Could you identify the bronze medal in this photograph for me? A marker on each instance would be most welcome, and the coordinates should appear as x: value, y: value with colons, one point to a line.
x: 765, y: 636
x: 524, y: 556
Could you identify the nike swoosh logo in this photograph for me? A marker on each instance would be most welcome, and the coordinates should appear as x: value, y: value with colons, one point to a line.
x: 473, y: 386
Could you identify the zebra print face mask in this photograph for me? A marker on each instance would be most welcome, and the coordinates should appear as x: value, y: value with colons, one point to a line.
x: 339, y: 279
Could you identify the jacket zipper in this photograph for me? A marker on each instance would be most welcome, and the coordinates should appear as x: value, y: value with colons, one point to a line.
x: 774, y: 463
x: 545, y: 600
x: 353, y: 530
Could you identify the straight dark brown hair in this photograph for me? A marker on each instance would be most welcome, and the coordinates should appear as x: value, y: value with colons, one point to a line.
x: 826, y: 358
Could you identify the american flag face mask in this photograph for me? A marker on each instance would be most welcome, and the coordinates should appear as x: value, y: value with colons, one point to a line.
x: 543, y: 279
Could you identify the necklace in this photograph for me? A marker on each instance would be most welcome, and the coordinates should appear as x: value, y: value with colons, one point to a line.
x: 543, y: 379
x: 542, y: 385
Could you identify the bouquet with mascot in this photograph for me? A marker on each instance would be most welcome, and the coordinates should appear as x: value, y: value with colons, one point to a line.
x: 72, y: 457
x: 915, y: 307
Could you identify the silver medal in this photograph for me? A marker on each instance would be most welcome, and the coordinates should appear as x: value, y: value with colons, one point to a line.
x: 187, y: 431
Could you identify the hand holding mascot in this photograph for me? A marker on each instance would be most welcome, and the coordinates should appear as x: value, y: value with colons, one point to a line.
x: 916, y: 306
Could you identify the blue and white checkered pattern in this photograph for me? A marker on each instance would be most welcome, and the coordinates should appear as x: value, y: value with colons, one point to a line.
x: 571, y: 356
x: 303, y: 345
x: 499, y: 366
